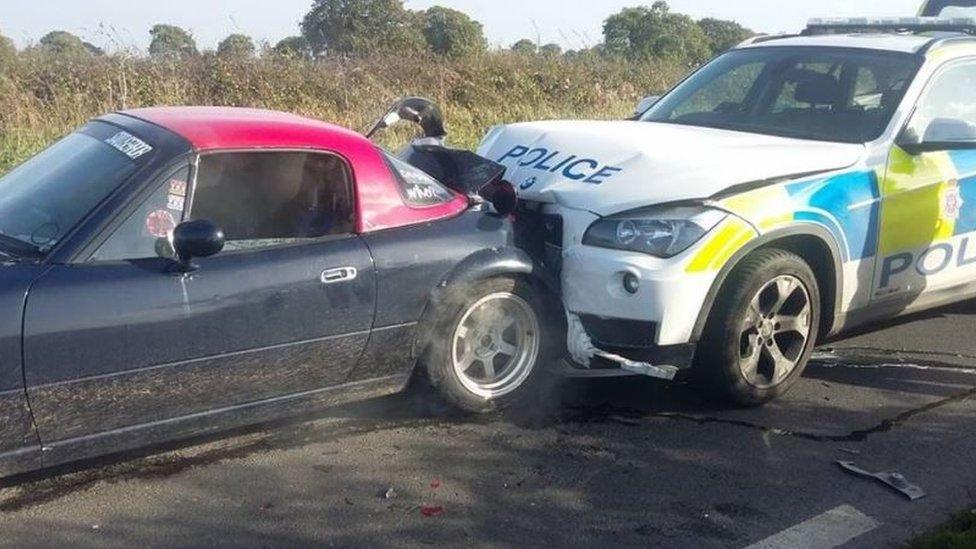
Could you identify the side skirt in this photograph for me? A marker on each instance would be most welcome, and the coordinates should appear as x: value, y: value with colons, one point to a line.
x: 214, y: 421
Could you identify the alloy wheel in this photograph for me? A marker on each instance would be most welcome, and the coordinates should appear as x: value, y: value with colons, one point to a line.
x: 495, y: 345
x: 775, y: 332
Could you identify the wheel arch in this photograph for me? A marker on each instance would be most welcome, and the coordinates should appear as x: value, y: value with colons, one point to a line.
x: 816, y: 245
x: 477, y: 267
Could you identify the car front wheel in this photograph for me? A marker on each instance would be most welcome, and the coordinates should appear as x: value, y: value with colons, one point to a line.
x: 487, y: 349
x: 762, y: 330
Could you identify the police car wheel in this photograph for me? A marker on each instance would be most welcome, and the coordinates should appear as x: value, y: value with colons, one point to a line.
x: 762, y: 330
x: 489, y: 348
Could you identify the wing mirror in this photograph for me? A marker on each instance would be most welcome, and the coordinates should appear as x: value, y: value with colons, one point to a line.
x: 645, y: 105
x: 942, y: 134
x: 193, y: 239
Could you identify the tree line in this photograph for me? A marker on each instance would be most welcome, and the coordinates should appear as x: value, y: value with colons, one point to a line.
x: 377, y: 27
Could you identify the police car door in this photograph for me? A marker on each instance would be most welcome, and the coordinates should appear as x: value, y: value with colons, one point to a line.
x: 927, y: 238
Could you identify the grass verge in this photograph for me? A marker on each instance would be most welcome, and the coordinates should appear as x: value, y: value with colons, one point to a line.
x: 958, y: 533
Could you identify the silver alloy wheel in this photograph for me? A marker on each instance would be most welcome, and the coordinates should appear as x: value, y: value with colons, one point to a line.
x: 495, y: 345
x: 775, y: 332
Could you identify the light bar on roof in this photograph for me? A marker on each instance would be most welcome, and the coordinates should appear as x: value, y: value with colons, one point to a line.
x: 897, y: 24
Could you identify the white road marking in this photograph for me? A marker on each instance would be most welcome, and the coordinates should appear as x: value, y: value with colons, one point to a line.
x: 831, y: 529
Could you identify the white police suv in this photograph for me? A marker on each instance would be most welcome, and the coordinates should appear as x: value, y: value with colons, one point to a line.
x: 792, y: 188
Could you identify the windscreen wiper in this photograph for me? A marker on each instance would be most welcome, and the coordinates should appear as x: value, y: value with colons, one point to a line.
x: 19, y: 247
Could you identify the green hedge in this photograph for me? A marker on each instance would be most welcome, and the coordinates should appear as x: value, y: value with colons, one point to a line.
x: 43, y: 96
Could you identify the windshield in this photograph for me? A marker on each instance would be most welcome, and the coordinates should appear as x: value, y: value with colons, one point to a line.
x: 47, y: 196
x: 949, y: 8
x: 826, y: 94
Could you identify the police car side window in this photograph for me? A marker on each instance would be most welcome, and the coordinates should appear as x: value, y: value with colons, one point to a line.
x: 146, y: 232
x: 418, y: 189
x: 948, y: 97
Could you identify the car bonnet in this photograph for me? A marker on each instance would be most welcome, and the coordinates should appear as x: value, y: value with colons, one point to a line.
x: 611, y: 167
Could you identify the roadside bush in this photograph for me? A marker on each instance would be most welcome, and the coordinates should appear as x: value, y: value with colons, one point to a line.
x: 45, y: 96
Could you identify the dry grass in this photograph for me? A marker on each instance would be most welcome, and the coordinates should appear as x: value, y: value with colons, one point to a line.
x: 43, y: 97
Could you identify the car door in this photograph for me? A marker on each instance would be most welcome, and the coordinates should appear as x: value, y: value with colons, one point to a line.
x: 124, y: 340
x: 928, y: 208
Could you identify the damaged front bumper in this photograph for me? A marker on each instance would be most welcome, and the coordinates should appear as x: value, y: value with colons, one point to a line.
x: 647, y: 329
x: 587, y: 359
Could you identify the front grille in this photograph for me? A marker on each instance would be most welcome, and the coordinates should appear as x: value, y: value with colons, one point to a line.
x: 614, y: 332
x: 553, y: 240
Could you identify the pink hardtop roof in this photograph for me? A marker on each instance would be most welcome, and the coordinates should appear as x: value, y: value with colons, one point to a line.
x: 208, y: 128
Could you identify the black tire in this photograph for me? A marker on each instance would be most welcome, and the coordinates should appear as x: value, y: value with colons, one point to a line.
x: 730, y: 344
x: 439, y: 358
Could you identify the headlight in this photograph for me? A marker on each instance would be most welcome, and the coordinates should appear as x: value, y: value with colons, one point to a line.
x: 659, y: 232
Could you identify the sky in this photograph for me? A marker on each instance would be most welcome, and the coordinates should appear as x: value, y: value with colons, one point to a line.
x: 571, y: 23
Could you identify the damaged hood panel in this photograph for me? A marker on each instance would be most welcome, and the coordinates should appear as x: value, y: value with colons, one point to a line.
x: 611, y: 167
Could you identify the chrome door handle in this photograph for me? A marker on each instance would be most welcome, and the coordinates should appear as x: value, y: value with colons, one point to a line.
x: 335, y: 276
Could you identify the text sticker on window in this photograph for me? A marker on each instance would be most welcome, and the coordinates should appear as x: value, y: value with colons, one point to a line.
x: 129, y: 145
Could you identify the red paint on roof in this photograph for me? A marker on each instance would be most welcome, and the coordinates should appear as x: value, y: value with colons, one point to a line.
x: 379, y: 203
x: 208, y: 128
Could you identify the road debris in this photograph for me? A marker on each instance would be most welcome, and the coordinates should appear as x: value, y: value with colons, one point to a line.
x: 435, y: 484
x: 851, y: 451
x: 390, y: 493
x: 266, y: 506
x: 892, y: 480
x: 428, y: 511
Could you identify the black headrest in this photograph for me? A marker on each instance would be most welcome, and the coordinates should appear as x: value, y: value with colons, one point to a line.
x: 816, y: 88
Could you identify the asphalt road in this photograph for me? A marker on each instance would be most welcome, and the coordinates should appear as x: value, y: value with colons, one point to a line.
x: 627, y: 462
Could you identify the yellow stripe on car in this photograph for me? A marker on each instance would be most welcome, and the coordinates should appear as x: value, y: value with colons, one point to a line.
x: 767, y: 207
x: 731, y: 236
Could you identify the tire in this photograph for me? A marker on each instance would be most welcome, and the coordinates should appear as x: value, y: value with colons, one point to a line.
x: 760, y: 334
x: 490, y: 345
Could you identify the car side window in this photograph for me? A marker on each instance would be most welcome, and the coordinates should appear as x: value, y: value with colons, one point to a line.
x: 948, y: 98
x: 146, y: 232
x: 263, y: 199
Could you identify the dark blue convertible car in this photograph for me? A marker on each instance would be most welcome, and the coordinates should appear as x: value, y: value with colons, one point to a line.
x: 174, y: 272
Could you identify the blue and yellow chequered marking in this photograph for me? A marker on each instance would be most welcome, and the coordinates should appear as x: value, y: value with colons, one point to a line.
x: 868, y: 215
x: 846, y: 205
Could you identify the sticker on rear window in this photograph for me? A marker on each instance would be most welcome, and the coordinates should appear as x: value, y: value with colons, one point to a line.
x: 129, y: 145
x: 418, y: 188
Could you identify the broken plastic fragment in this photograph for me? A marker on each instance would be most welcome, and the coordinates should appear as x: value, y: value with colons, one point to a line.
x: 581, y: 348
x: 642, y: 368
x: 582, y: 351
x: 893, y: 480
x: 431, y: 510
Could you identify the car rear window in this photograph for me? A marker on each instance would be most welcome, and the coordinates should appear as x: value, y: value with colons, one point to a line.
x: 417, y: 187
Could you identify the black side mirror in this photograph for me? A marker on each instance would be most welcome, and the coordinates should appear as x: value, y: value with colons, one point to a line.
x: 193, y: 239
